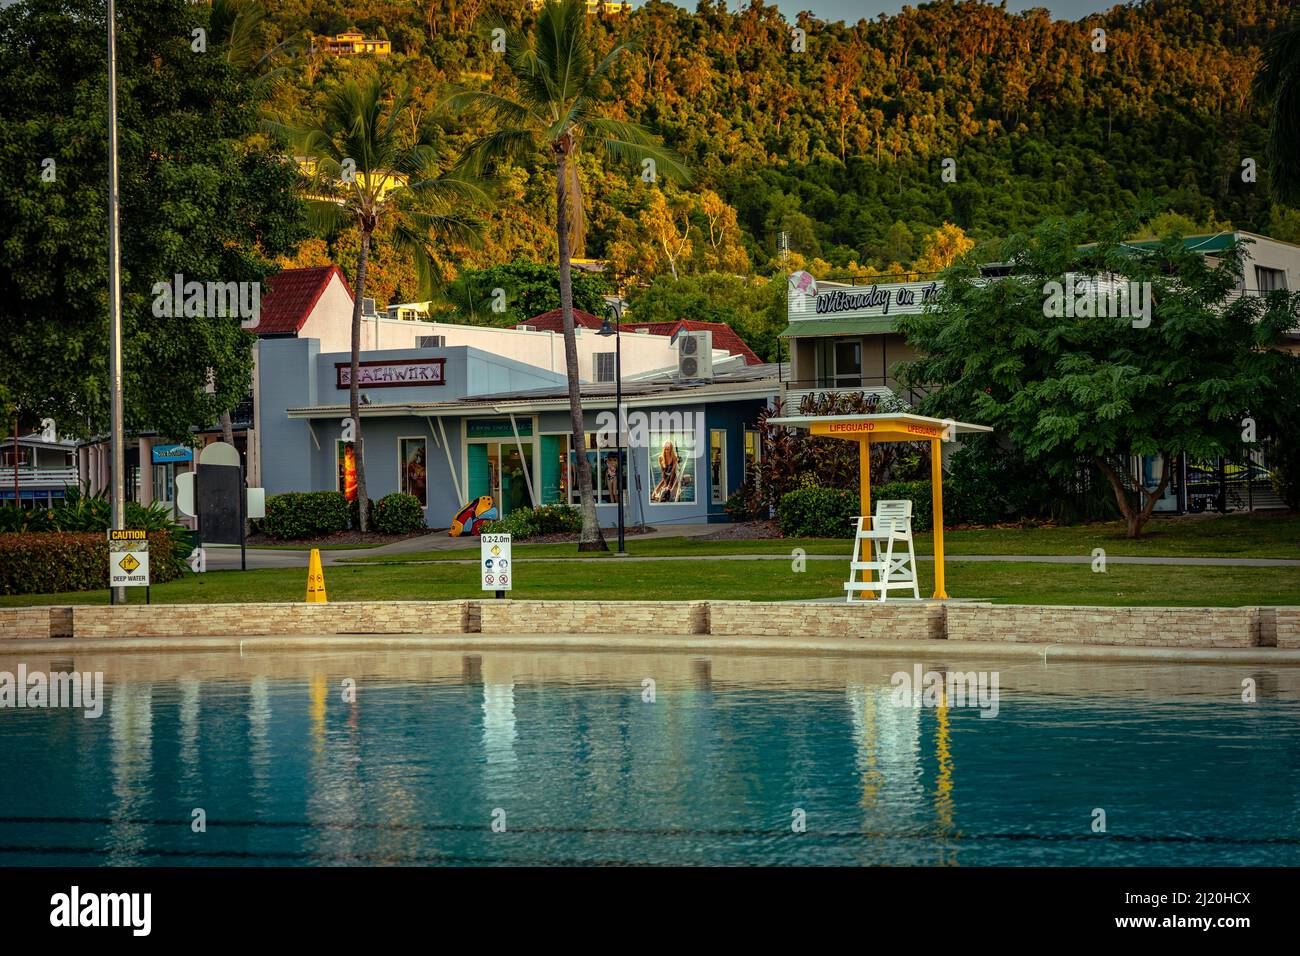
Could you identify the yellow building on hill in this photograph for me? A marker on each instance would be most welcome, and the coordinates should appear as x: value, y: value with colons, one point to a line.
x: 350, y: 43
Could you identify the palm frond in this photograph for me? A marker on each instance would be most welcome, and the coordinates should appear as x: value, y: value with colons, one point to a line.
x: 325, y: 217
x: 629, y: 143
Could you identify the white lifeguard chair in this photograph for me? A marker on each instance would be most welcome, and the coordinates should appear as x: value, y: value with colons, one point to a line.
x: 892, y: 524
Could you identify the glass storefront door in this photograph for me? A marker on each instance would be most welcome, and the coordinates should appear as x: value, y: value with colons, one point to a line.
x: 497, y: 469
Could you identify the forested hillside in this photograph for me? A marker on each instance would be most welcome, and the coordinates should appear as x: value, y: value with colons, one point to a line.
x: 842, y: 146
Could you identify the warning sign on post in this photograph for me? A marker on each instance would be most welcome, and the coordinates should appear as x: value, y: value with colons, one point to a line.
x: 128, y: 558
x: 494, y: 562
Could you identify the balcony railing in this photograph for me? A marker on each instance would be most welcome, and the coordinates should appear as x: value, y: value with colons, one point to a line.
x: 42, y: 476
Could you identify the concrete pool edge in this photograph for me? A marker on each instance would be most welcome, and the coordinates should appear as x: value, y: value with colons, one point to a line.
x: 953, y: 623
x: 644, y: 644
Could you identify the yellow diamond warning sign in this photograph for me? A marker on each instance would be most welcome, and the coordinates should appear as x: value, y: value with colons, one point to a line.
x: 128, y: 569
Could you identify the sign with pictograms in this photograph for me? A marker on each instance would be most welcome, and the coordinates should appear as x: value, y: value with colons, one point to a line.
x: 494, y: 562
x: 128, y: 558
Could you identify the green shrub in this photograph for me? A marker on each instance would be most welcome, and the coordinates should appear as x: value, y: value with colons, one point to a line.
x: 306, y: 514
x: 817, y: 513
x: 741, y: 503
x: 54, y: 561
x: 398, y: 514
x: 524, y: 523
x: 917, y: 492
x: 354, y: 514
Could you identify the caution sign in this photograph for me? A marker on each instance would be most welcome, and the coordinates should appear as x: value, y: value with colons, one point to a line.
x: 494, y: 562
x: 128, y: 558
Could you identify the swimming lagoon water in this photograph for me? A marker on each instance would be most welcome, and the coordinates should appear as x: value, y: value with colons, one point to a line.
x: 498, y: 758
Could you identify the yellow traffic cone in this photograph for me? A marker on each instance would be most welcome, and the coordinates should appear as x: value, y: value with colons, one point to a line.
x: 315, y: 580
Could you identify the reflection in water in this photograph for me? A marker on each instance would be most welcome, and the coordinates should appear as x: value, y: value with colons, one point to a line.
x: 259, y: 739
x: 291, y: 769
x: 130, y: 718
x: 943, y: 783
x: 499, y: 737
x: 187, y: 713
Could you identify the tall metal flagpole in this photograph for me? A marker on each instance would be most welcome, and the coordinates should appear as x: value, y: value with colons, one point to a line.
x: 117, y: 458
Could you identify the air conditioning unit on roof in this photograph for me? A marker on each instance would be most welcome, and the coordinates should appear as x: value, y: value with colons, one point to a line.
x: 695, y: 355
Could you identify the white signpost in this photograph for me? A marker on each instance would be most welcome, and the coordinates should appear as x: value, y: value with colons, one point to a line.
x: 128, y: 559
x: 495, y: 565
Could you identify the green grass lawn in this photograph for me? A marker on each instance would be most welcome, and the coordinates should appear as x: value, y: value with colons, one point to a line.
x: 1227, y: 536
x: 723, y: 580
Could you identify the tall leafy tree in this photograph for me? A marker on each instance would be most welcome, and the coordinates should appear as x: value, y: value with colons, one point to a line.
x: 1277, y: 84
x: 514, y: 292
x: 199, y: 197
x: 556, y: 109
x: 1072, y: 388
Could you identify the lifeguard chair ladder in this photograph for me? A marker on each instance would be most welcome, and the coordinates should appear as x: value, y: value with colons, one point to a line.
x: 892, y: 524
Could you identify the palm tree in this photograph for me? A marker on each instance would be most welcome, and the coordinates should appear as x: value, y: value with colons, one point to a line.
x: 363, y: 174
x: 1277, y: 84
x: 556, y: 110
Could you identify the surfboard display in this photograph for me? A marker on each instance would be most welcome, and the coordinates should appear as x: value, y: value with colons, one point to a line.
x: 473, y: 516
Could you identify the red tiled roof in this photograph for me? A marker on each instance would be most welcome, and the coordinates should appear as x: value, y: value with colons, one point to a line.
x: 293, y: 294
x: 724, y: 336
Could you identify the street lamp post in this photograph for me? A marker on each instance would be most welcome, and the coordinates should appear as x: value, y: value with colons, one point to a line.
x: 616, y: 310
x: 117, y: 460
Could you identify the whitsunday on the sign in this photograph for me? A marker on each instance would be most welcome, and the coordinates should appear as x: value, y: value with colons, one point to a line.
x: 495, y: 564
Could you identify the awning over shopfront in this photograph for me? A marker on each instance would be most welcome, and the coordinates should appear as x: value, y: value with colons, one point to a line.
x: 874, y: 429
x: 803, y: 328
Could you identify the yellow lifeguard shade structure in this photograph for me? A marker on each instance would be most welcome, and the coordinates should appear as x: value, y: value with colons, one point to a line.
x: 868, y: 430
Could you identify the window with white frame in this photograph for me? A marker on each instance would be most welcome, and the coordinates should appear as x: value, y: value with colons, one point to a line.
x: 718, y: 466
x: 604, y: 366
x: 1269, y: 280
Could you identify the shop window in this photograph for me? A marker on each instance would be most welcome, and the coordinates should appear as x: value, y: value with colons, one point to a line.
x: 413, y: 474
x: 718, y: 466
x: 672, y: 467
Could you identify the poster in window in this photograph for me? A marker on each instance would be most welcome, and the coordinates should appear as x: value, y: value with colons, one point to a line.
x: 347, y: 469
x: 672, y: 467
x: 414, y: 471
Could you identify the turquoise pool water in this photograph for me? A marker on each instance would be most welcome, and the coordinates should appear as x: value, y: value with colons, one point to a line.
x: 567, y: 752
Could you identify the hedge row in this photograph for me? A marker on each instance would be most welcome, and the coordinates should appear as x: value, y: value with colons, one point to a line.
x: 306, y: 514
x: 525, y: 523
x: 397, y: 513
x: 55, y: 561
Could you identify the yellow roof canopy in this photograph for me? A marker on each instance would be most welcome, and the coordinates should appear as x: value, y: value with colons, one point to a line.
x: 880, y: 428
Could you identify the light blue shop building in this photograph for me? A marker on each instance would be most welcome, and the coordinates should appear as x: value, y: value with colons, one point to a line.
x: 453, y: 423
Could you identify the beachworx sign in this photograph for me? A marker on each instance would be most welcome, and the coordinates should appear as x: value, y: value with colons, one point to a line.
x: 876, y: 297
x: 393, y: 373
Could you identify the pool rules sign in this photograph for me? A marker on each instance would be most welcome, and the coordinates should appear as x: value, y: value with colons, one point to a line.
x: 128, y: 558
x: 494, y: 562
